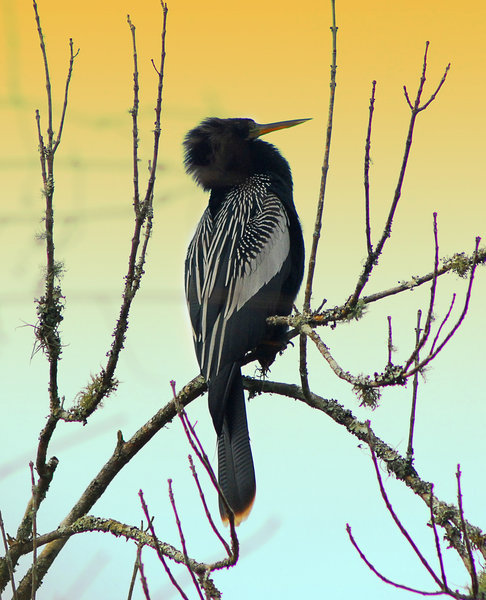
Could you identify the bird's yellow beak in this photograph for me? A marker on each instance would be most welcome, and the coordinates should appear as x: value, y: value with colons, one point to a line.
x: 257, y: 130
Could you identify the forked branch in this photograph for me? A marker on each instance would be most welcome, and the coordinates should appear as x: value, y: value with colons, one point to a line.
x: 415, y: 109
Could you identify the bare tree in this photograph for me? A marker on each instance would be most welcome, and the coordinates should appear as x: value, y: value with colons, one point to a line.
x: 432, y: 333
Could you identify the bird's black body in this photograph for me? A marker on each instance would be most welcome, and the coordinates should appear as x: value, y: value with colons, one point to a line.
x: 244, y: 264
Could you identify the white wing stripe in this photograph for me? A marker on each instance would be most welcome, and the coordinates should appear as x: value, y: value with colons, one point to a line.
x: 243, y: 250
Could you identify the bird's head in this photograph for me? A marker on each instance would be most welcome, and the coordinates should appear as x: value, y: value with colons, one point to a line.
x: 221, y: 152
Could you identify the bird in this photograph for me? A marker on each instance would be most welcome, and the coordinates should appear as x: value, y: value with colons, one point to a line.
x: 244, y: 264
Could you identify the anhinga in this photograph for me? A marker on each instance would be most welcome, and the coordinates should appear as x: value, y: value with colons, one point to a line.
x: 244, y: 264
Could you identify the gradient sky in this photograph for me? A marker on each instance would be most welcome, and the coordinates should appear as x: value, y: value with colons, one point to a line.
x: 269, y: 61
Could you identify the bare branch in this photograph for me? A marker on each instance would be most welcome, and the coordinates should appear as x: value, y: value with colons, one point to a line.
x: 50, y: 132
x: 143, y: 579
x: 471, y: 567
x: 437, y: 89
x: 90, y: 523
x: 372, y: 258
x: 444, y: 321
x: 325, y: 168
x: 447, y: 515
x: 123, y: 453
x: 134, y: 572
x: 134, y: 113
x: 436, y: 537
x: 8, y: 559
x: 196, y: 445
x: 414, y: 391
x: 34, y: 531
x: 433, y: 353
x: 105, y: 380
x: 183, y: 540
x: 367, y: 162
x: 304, y: 376
x: 398, y: 523
x: 158, y: 108
x: 390, y: 340
x: 382, y: 577
x: 206, y: 509
x: 428, y: 321
x: 72, y: 56
x: 326, y: 353
x: 460, y: 263
x: 157, y: 548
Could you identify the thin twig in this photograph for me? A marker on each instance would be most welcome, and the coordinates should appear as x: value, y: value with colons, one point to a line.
x: 397, y: 521
x: 183, y: 540
x: 8, y: 558
x: 444, y: 321
x: 50, y: 132
x: 367, y: 162
x: 158, y: 106
x: 204, y: 460
x: 458, y: 323
x: 414, y: 392
x: 304, y: 375
x: 379, y: 575
x: 326, y: 353
x: 415, y: 108
x: 206, y: 508
x: 390, y: 340
x: 72, y: 56
x: 157, y: 548
x: 50, y: 304
x: 325, y: 168
x: 437, y: 89
x: 430, y: 312
x: 134, y: 574
x: 472, y: 566
x: 134, y: 113
x: 143, y: 223
x: 436, y: 538
x: 143, y: 579
x: 34, y: 531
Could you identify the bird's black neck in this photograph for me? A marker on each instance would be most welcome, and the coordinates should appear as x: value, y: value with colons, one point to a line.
x: 264, y: 162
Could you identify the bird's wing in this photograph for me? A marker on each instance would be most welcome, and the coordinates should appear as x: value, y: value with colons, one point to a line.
x: 234, y: 273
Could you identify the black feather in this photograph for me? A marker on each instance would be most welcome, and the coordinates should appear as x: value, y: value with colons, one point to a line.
x: 244, y: 264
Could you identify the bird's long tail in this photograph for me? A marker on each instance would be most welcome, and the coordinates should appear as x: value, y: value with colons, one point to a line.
x: 236, y: 474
